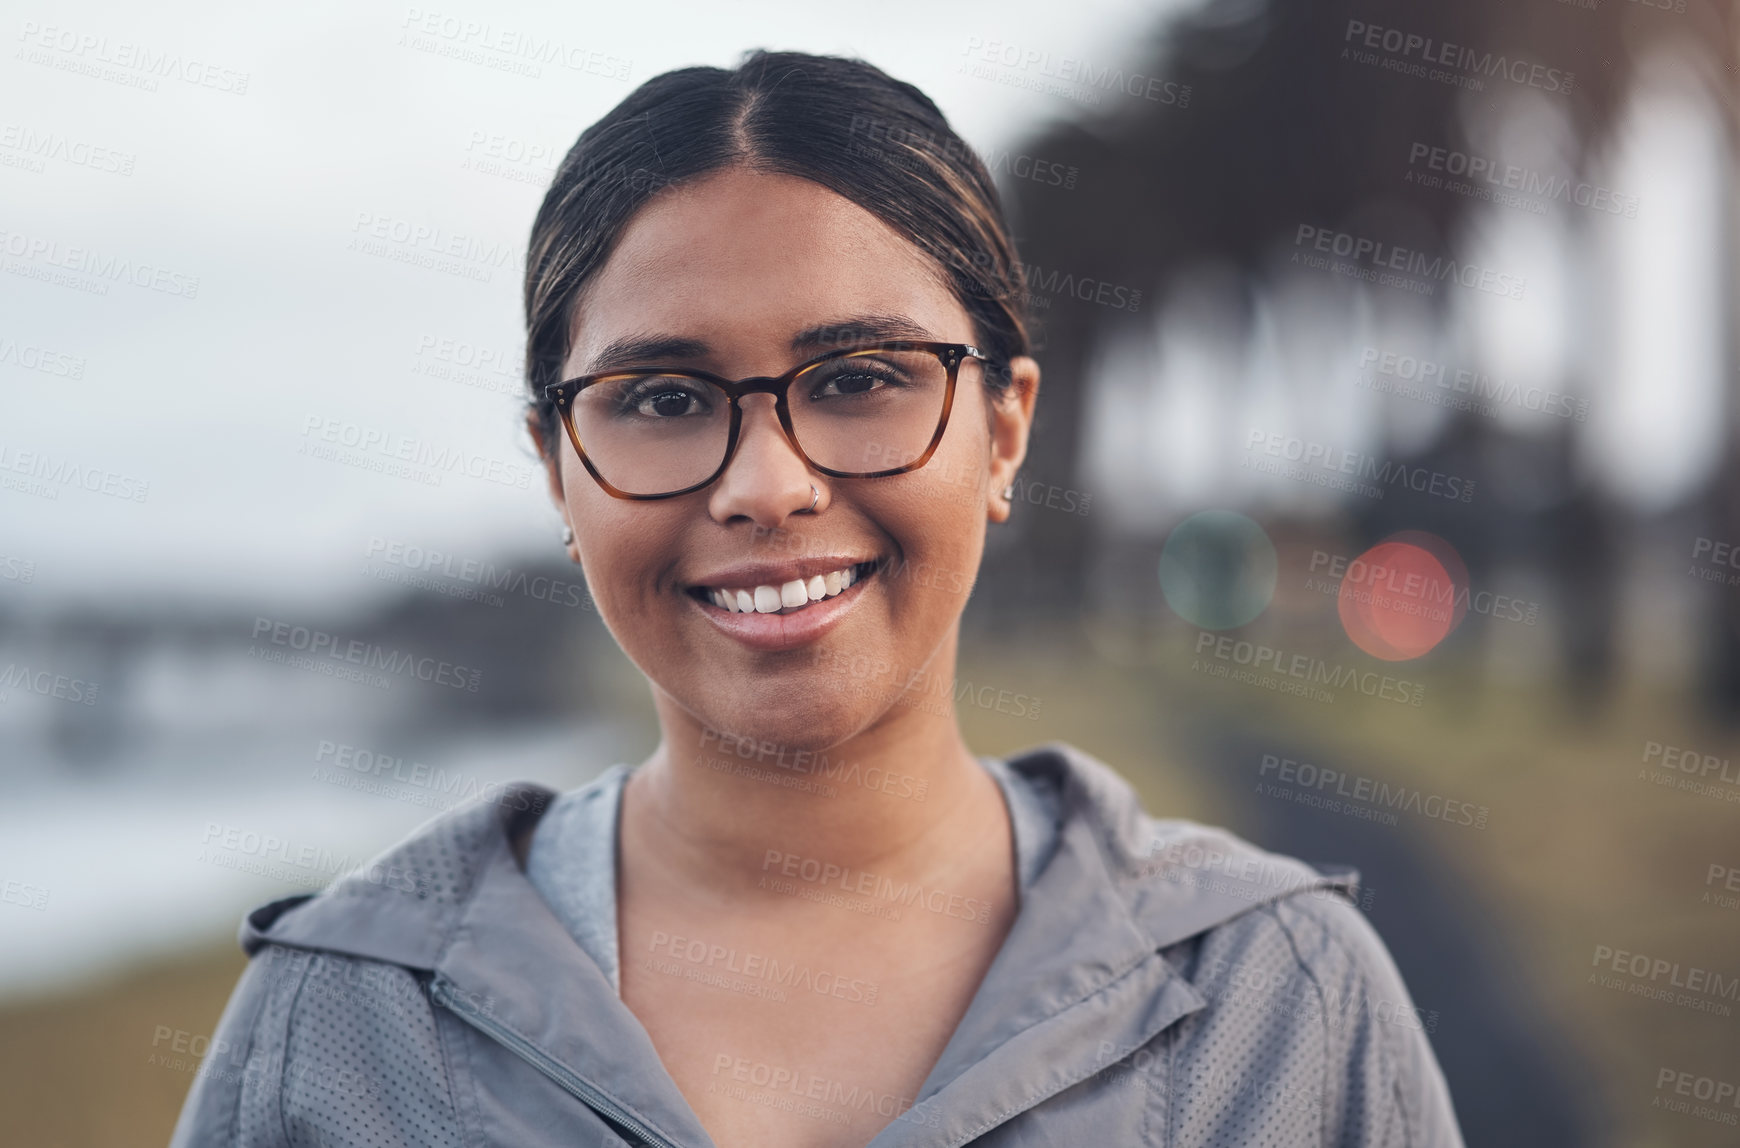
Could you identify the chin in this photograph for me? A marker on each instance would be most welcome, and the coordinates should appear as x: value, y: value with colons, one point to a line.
x: 778, y: 722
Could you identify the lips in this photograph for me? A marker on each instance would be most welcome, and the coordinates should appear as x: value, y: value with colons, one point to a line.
x: 783, y: 589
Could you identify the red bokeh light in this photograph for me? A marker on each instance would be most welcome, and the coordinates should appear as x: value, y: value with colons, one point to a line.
x: 1403, y: 596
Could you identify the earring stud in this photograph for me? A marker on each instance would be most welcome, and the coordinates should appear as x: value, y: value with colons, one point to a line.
x: 1009, y: 491
x: 567, y: 536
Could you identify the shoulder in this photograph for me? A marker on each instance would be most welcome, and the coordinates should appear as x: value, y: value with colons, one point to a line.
x: 1178, y: 877
x: 402, y: 905
x: 1313, y: 950
x: 1305, y: 1021
x: 1303, y: 997
x: 315, y: 1043
x: 356, y: 1031
x: 331, y: 1019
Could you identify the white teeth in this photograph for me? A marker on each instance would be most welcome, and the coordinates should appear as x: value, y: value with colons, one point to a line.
x: 791, y: 595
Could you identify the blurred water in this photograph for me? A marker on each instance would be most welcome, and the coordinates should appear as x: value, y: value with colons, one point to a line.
x: 165, y: 849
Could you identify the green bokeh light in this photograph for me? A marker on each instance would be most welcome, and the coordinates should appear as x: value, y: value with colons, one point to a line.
x: 1218, y: 570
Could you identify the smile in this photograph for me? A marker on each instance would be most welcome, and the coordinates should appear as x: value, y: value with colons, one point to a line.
x: 786, y: 597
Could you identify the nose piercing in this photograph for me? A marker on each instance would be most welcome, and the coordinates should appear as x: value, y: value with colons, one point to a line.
x: 816, y: 496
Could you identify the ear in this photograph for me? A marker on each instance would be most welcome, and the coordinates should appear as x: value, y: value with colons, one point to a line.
x: 1011, y: 420
x: 552, y: 460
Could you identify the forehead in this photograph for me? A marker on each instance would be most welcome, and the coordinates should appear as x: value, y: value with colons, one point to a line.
x: 743, y: 259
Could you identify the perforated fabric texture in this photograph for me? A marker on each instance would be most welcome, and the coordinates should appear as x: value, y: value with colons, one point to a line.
x: 277, y: 980
x: 435, y: 864
x: 233, y: 1101
x: 363, y: 1064
x: 1309, y: 1037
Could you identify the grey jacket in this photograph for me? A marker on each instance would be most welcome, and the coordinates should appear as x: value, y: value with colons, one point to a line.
x: 1164, y: 983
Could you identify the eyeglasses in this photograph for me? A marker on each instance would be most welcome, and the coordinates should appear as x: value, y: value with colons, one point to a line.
x: 864, y: 412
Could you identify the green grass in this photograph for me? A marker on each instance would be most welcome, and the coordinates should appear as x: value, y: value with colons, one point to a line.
x: 76, y: 1070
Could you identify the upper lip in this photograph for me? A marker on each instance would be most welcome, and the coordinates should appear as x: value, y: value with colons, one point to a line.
x: 778, y: 573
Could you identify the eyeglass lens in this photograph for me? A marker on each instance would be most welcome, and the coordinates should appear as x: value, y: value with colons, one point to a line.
x: 861, y: 413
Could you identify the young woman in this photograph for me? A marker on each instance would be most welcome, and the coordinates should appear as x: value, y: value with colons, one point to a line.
x: 780, y: 380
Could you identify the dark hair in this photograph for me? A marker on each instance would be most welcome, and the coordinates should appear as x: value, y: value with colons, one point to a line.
x: 841, y: 123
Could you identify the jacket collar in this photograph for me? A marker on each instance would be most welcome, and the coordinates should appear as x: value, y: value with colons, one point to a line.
x: 1081, y: 968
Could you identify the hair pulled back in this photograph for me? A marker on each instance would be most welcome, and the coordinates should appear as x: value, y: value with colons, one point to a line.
x: 841, y: 123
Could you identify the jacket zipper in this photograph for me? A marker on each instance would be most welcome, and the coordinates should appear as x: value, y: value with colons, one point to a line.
x: 556, y: 1071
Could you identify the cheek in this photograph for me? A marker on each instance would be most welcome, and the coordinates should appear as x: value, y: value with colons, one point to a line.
x: 941, y: 528
x: 591, y: 508
x: 968, y: 479
x: 628, y: 551
x: 604, y: 530
x: 957, y: 480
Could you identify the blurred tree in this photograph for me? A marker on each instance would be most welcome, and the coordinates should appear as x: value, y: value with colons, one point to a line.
x: 1283, y: 129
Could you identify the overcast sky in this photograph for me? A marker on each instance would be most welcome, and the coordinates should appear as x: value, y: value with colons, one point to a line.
x: 231, y: 157
x: 217, y: 225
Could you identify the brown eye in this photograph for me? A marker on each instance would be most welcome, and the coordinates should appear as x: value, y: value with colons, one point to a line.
x: 667, y: 404
x: 656, y: 398
x: 854, y: 378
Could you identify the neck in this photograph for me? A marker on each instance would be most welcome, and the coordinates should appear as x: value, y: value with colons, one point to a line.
x: 903, y: 796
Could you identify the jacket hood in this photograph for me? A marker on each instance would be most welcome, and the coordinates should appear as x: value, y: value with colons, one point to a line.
x: 1170, y: 878
x: 1079, y: 982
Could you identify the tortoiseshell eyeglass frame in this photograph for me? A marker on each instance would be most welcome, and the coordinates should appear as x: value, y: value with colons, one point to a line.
x: 951, y: 355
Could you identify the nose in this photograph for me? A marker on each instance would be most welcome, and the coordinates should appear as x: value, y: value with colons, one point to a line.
x: 767, y: 480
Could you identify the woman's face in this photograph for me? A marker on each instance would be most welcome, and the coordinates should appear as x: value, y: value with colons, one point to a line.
x: 738, y: 264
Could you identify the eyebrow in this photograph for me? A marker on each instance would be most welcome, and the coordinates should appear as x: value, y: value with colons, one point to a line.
x: 648, y: 350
